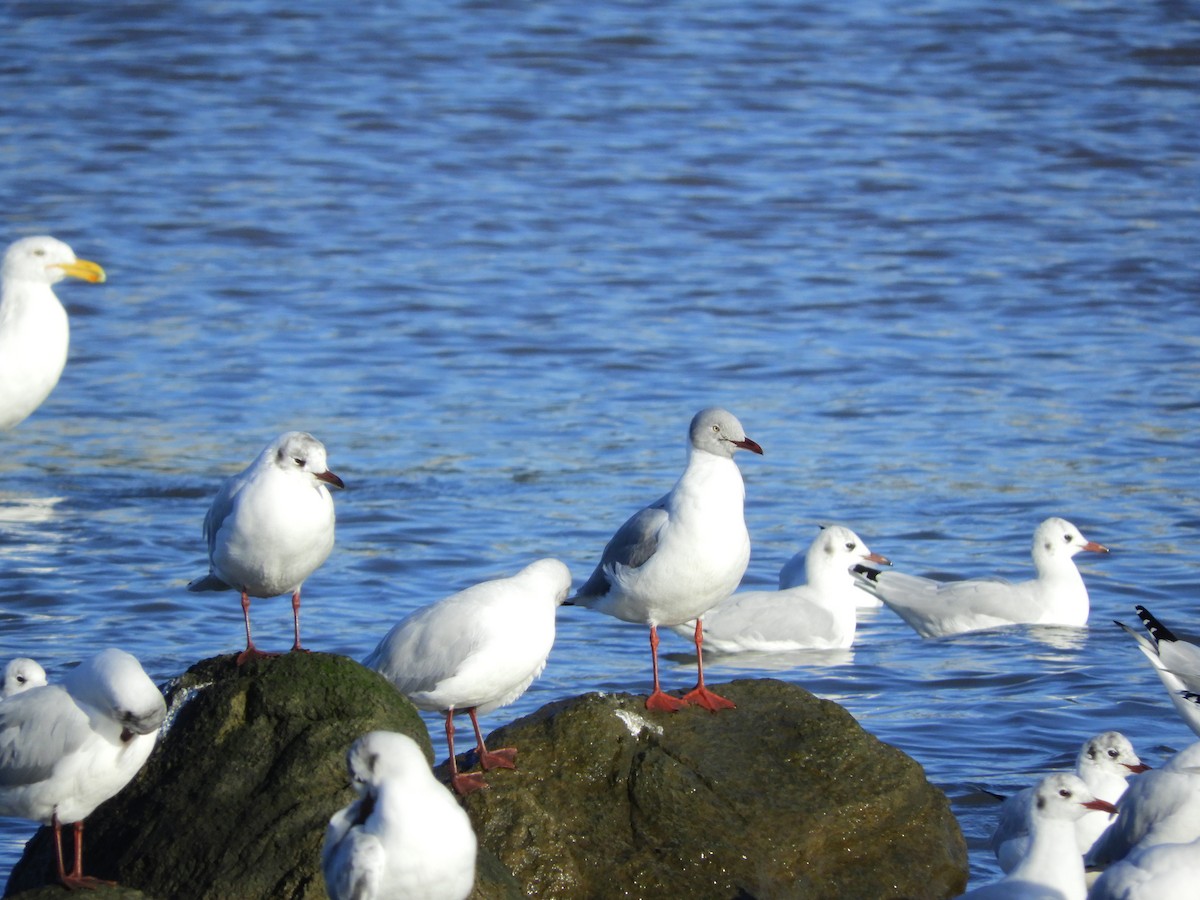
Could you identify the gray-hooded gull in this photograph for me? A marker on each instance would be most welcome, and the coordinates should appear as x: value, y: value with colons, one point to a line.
x: 680, y: 556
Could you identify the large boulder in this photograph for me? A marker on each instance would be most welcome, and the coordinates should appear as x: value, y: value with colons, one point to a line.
x: 783, y: 797
x: 786, y: 796
x: 235, y: 799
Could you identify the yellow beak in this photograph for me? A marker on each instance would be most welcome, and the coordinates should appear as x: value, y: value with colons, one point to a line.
x: 85, y: 269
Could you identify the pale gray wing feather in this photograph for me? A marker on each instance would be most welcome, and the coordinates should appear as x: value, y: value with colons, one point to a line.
x: 633, y: 544
x: 1012, y: 826
x: 38, y: 728
x: 353, y: 863
x: 428, y: 645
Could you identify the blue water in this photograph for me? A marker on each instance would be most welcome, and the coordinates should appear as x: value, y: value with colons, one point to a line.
x: 941, y: 259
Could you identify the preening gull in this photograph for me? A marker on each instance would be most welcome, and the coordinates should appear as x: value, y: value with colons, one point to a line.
x: 66, y: 748
x: 676, y: 559
x: 34, y: 331
x: 938, y: 608
x: 404, y: 836
x: 476, y: 650
x: 820, y: 614
x: 271, y: 526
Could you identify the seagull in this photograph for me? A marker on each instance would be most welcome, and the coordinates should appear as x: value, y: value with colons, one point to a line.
x: 1053, y: 868
x: 800, y: 570
x: 818, y: 615
x: 938, y: 608
x: 1158, y: 872
x: 477, y: 650
x: 270, y: 527
x: 34, y: 332
x: 66, y: 748
x: 676, y: 559
x: 21, y: 674
x: 405, y: 835
x: 1159, y: 807
x: 1105, y: 762
x: 1176, y: 661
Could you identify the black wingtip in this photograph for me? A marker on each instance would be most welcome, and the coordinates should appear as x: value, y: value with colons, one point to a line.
x: 866, y: 572
x: 1157, y: 629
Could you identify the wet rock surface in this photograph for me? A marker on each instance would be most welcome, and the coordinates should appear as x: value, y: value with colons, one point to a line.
x: 786, y: 796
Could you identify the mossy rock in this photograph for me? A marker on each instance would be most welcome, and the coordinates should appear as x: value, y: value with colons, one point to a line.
x: 785, y: 796
x: 235, y: 799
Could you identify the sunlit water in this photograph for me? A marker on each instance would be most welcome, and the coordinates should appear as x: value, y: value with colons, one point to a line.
x: 941, y: 261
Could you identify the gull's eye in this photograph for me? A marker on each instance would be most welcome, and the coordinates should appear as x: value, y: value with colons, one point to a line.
x: 1113, y: 754
x: 39, y: 252
x: 21, y: 679
x: 1064, y: 793
x: 1067, y: 538
x: 716, y: 429
x: 298, y: 461
x: 850, y: 546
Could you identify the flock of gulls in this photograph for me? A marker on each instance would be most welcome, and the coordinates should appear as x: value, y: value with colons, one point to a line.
x: 677, y: 563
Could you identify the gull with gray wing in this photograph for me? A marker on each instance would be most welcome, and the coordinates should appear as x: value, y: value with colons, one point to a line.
x: 680, y: 556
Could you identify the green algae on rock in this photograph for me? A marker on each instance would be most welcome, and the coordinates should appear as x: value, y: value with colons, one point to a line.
x: 785, y: 796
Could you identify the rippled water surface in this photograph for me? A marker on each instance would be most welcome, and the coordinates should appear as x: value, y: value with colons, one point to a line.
x: 941, y: 259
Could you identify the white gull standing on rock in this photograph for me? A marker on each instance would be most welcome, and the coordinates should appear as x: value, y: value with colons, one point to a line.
x: 1053, y: 868
x: 21, y: 674
x: 1177, y: 663
x: 1105, y: 763
x: 271, y: 526
x: 938, y: 608
x: 820, y: 614
x: 476, y: 650
x: 405, y: 835
x: 66, y: 748
x: 676, y: 559
x: 34, y: 331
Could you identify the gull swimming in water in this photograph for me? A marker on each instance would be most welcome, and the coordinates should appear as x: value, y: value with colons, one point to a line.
x: 680, y: 556
x: 271, y: 526
x: 66, y: 748
x: 404, y: 836
x: 1057, y: 596
x: 802, y: 569
x: 21, y: 674
x: 1176, y: 661
x: 476, y: 650
x: 819, y: 614
x: 1053, y: 868
x: 1105, y: 763
x: 34, y: 331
